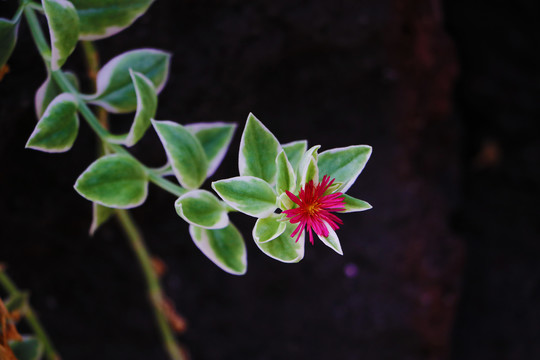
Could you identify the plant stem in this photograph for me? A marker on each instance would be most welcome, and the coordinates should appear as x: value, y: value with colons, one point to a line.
x: 92, y: 61
x: 154, y: 289
x: 131, y: 231
x: 85, y: 111
x: 38, y: 36
x: 92, y: 65
x: 155, y: 292
x: 30, y: 317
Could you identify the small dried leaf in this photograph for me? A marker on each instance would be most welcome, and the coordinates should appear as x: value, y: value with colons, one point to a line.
x: 177, y: 322
x: 8, y: 331
x: 3, y: 71
x: 159, y: 266
x: 6, y: 353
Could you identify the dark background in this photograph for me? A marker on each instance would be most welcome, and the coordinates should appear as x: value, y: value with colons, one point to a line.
x: 444, y: 266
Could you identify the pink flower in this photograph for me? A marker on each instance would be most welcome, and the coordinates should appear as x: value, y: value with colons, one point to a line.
x: 314, y: 209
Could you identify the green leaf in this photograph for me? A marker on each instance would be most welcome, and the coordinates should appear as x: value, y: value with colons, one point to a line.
x: 225, y: 247
x: 100, y: 214
x: 8, y: 38
x: 116, y: 181
x: 215, y: 139
x: 248, y: 194
x: 285, y: 179
x: 354, y: 205
x: 307, y: 167
x: 28, y: 349
x: 184, y: 152
x: 258, y: 151
x: 332, y: 240
x: 284, y: 202
x: 63, y: 29
x: 294, y: 151
x: 146, y: 110
x: 344, y: 164
x: 284, y: 248
x: 17, y: 302
x: 115, y: 90
x: 49, y: 90
x: 203, y: 209
x: 308, y: 173
x: 268, y: 228
x: 103, y: 18
x: 57, y: 129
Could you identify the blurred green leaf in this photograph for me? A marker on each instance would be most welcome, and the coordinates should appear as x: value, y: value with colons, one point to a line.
x: 100, y: 214
x: 63, y: 29
x: 103, y: 18
x: 49, y: 90
x: 57, y: 129
x: 8, y: 38
x: 28, y: 349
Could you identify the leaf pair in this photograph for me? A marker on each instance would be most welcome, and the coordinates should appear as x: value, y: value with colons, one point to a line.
x: 194, y: 152
x: 58, y: 126
x: 117, y: 92
x: 72, y: 20
x: 226, y: 248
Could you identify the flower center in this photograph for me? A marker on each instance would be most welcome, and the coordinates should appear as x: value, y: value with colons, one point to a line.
x: 312, y: 209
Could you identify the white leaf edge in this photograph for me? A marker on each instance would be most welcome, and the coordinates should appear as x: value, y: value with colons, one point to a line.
x: 303, y: 165
x: 345, y: 186
x: 214, y: 164
x: 241, y: 158
x: 290, y: 170
x: 111, y: 30
x: 114, y: 206
x: 104, y: 75
x: 355, y: 209
x: 60, y: 98
x: 94, y: 225
x: 222, y: 222
x: 300, y: 252
x: 281, y: 228
x: 55, y: 57
x: 203, y: 245
x: 262, y: 214
x: 129, y: 138
x: 165, y: 143
x: 292, y: 144
x: 332, y: 240
x: 40, y: 95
